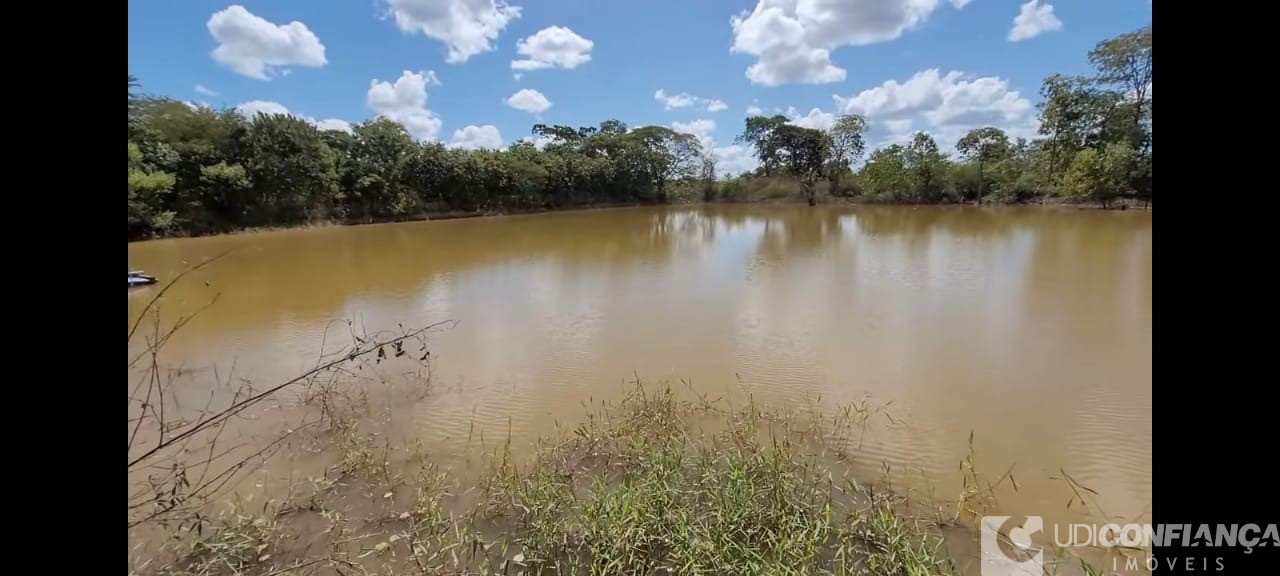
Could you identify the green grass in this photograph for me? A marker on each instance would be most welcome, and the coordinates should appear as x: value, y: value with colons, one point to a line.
x: 648, y: 491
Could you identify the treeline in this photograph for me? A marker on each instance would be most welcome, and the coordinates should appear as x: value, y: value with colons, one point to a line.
x: 1094, y: 146
x: 195, y: 170
x: 202, y: 171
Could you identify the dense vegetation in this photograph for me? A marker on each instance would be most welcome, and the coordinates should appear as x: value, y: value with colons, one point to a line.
x: 194, y: 170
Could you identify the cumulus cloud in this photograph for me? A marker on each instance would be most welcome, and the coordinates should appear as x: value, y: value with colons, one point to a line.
x: 538, y: 142
x: 734, y: 159
x: 816, y: 118
x: 945, y: 105
x: 466, y: 27
x: 252, y: 108
x: 477, y: 137
x: 1033, y: 19
x: 255, y: 107
x: 200, y: 89
x: 683, y: 100
x: 792, y: 40
x: 730, y: 160
x: 960, y: 3
x: 550, y: 47
x: 701, y: 128
x: 333, y: 124
x: 405, y: 101
x: 252, y: 46
x: 898, y: 126
x: 754, y: 110
x: 944, y: 99
x: 528, y: 100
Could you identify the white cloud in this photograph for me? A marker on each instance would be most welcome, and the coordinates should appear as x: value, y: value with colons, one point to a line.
x: 683, y: 99
x: 1032, y: 20
x: 734, y: 159
x: 946, y: 106
x: 200, y: 89
x: 466, y: 27
x: 253, y: 47
x: 477, y: 137
x: 252, y: 108
x: 730, y: 160
x: 754, y: 110
x: 405, y: 101
x: 701, y: 128
x: 898, y: 126
x: 949, y: 99
x: 673, y: 101
x: 333, y: 124
x: 816, y: 118
x: 981, y: 101
x: 538, y: 142
x: 255, y: 107
x: 887, y: 132
x: 531, y: 101
x: 921, y: 92
x: 550, y: 47
x: 960, y: 3
x: 792, y: 40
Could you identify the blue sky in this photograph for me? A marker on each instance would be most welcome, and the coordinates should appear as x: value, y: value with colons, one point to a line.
x: 950, y: 65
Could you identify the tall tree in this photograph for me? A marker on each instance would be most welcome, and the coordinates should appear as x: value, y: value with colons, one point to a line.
x: 803, y: 152
x: 682, y: 153
x: 884, y: 176
x: 925, y: 166
x: 380, y: 156
x: 559, y: 137
x: 983, y: 145
x: 847, y: 145
x: 1072, y: 113
x: 759, y: 133
x: 1099, y: 175
x: 1125, y: 61
x: 613, y: 126
x: 294, y: 173
x: 148, y: 189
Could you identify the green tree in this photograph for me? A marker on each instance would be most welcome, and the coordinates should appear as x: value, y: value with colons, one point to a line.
x: 759, y: 133
x: 803, y: 152
x: 983, y: 145
x: 682, y: 154
x: 1071, y: 115
x: 884, y: 176
x: 147, y: 189
x: 1125, y: 62
x: 293, y: 171
x: 377, y: 175
x: 612, y: 126
x: 847, y: 146
x: 926, y: 167
x: 1099, y: 176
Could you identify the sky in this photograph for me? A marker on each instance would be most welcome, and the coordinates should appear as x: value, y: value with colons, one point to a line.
x: 481, y: 73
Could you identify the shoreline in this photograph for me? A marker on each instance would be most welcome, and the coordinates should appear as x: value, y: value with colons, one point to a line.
x: 1119, y: 206
x: 648, y: 484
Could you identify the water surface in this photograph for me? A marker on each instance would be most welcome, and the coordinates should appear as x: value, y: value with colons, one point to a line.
x: 1028, y: 328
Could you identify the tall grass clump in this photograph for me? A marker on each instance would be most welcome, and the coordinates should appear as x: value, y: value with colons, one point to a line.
x: 661, y: 486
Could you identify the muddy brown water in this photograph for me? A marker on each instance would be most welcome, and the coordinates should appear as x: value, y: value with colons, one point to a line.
x: 1029, y: 329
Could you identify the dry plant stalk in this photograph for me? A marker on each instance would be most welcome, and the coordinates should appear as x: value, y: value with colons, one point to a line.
x: 185, y: 464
